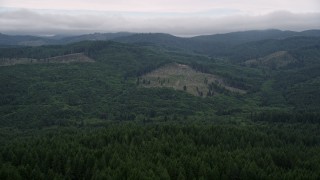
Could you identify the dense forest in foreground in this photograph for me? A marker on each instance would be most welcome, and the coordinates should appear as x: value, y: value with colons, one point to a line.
x: 86, y: 110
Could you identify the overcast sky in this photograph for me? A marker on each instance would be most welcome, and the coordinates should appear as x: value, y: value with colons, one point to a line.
x: 178, y: 17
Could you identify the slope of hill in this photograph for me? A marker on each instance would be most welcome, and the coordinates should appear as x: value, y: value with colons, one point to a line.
x: 274, y: 60
x: 258, y: 49
x: 184, y: 78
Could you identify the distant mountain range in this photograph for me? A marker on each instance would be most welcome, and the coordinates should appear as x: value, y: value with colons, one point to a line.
x: 233, y: 38
x: 237, y: 46
x: 22, y: 40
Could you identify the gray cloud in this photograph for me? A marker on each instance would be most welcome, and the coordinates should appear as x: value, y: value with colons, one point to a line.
x: 165, y: 6
x: 51, y: 22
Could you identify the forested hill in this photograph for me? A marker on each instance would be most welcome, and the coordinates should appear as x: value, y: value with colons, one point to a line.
x: 152, y: 107
x: 89, y: 90
x: 250, y: 36
x: 116, y: 71
x: 21, y: 40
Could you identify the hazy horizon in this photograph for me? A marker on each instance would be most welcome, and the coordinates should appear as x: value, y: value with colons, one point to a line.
x: 182, y: 36
x: 176, y: 17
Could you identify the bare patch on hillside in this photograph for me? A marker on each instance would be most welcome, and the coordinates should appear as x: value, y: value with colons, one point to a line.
x: 274, y: 60
x: 183, y: 77
x: 69, y: 58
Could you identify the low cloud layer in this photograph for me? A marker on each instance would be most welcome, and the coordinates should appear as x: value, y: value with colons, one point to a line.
x: 167, y: 6
x: 46, y: 22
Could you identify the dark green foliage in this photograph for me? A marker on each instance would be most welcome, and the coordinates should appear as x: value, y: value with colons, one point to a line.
x: 288, y: 117
x: 46, y: 95
x: 57, y: 94
x: 131, y: 151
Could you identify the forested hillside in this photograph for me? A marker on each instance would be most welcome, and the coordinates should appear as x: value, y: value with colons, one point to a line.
x: 160, y: 107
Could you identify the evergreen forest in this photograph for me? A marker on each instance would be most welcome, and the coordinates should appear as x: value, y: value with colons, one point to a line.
x: 87, y: 110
